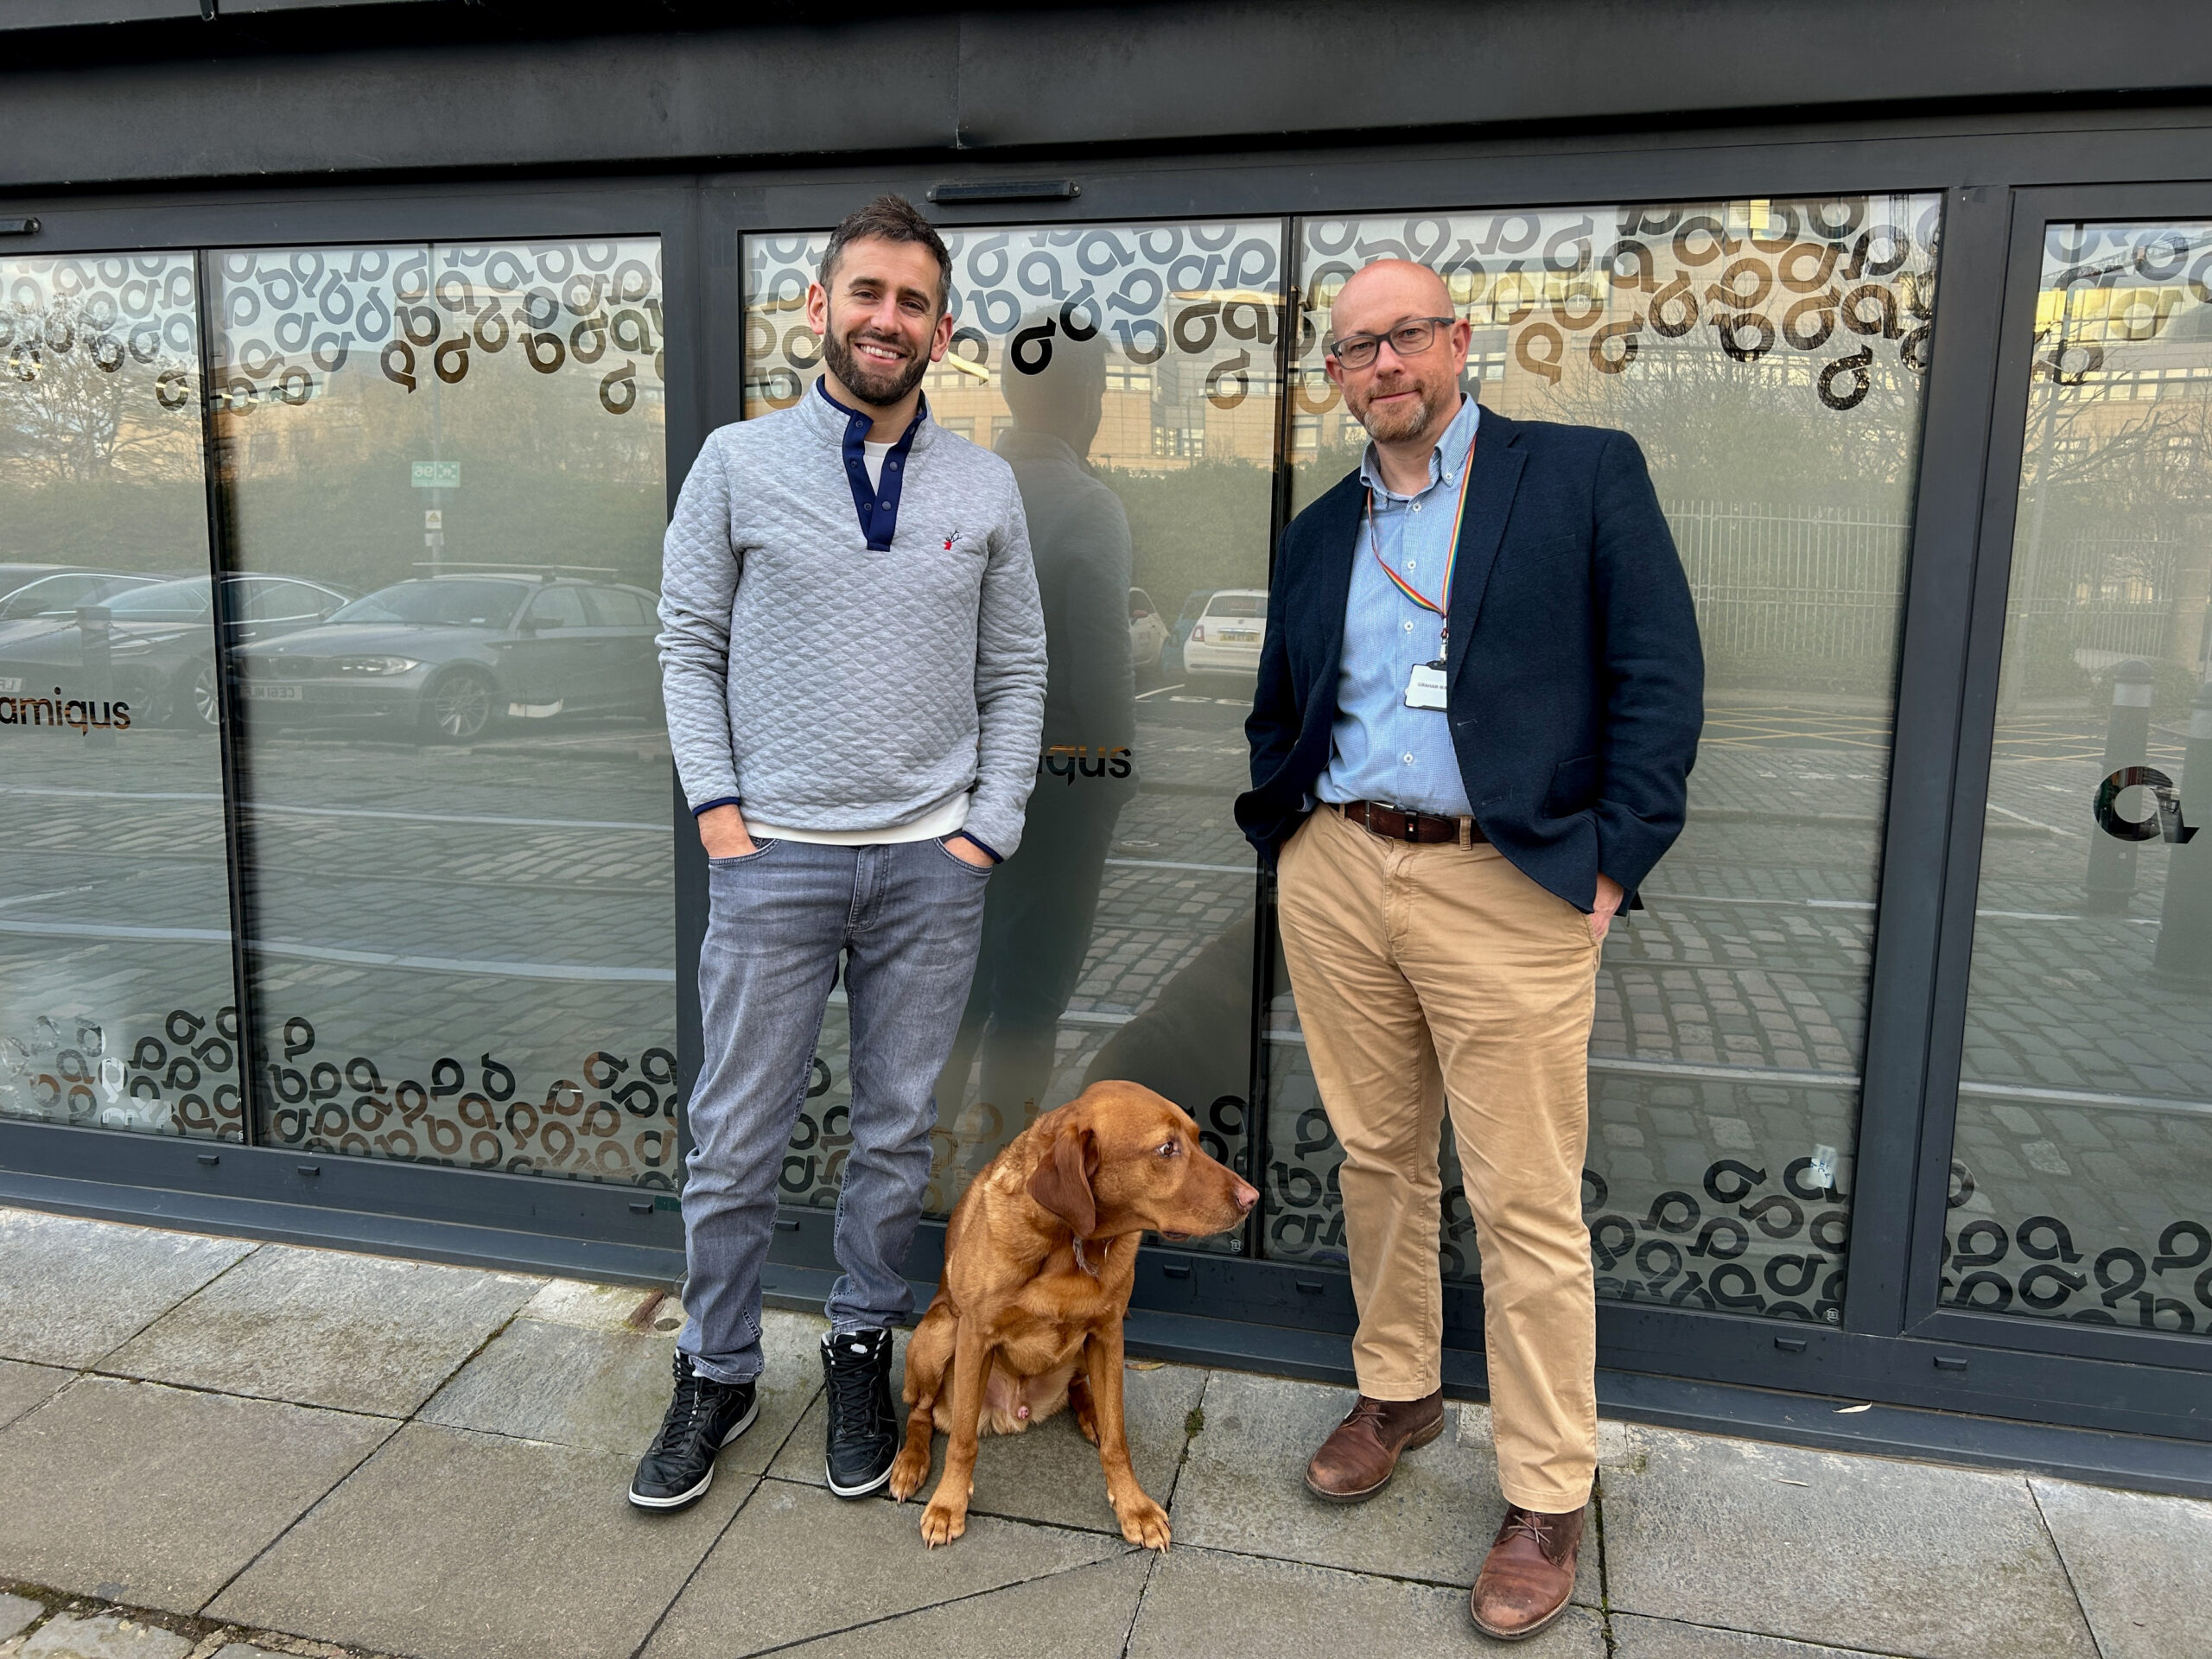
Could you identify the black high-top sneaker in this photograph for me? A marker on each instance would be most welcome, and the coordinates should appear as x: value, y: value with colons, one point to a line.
x: 704, y: 1417
x: 863, y: 1427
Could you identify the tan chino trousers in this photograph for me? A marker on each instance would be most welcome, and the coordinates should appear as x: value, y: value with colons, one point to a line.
x: 1431, y: 973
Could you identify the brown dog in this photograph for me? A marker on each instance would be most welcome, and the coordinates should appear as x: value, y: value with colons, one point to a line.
x: 1040, y: 1260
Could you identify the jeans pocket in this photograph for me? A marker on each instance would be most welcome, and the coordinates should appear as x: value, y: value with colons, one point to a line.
x: 979, y: 870
x: 760, y: 850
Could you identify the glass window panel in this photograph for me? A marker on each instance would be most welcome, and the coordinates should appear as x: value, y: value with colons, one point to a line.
x: 457, y: 793
x: 1127, y: 373
x: 116, y: 988
x: 1768, y: 356
x: 2083, y: 1152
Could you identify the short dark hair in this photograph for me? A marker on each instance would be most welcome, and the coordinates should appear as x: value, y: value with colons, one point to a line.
x: 891, y: 219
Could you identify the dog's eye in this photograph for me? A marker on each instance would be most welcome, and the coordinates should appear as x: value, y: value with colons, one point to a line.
x: 1170, y: 1149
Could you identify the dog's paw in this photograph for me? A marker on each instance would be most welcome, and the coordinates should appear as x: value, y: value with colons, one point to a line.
x: 1144, y: 1521
x: 942, y: 1522
x: 908, y: 1471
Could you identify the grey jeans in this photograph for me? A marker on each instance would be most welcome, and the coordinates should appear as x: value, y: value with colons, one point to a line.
x: 906, y: 917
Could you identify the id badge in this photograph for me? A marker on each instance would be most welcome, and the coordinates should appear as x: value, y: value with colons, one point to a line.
x: 1425, y: 690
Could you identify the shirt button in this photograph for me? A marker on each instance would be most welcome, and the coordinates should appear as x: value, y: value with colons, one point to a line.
x: 1408, y: 759
x: 1417, y: 506
x: 1409, y: 627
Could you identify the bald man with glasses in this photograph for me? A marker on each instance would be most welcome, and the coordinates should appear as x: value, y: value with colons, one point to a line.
x: 1478, y: 703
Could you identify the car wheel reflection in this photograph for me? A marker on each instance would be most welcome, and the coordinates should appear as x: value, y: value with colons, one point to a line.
x: 193, y: 701
x: 458, y: 708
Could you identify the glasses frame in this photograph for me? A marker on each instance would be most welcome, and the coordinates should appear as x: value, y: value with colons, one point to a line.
x: 1335, y: 348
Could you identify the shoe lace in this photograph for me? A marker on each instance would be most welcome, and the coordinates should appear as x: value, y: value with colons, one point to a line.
x: 1363, y: 1410
x: 1526, y: 1523
x: 853, y: 1401
x: 687, y: 1412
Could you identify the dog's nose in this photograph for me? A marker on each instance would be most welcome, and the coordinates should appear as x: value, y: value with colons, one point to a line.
x: 1247, y: 1196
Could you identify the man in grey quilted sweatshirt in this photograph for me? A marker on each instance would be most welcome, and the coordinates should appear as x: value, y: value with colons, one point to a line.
x: 853, y: 658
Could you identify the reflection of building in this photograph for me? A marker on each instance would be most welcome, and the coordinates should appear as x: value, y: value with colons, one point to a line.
x: 1790, y: 1037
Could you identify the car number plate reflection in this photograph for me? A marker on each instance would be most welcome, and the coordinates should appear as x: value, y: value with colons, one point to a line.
x: 274, y: 693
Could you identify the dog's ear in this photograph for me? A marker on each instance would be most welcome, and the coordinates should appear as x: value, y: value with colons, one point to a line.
x: 1062, y: 1181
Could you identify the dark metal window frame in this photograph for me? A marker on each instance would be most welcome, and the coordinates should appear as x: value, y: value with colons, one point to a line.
x: 1996, y: 174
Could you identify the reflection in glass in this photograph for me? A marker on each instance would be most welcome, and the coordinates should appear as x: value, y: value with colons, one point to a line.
x: 1767, y: 357
x: 2081, y: 1184
x: 116, y: 994
x: 1125, y: 372
x: 444, y: 474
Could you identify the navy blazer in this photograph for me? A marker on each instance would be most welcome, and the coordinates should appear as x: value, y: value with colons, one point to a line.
x: 1575, y: 685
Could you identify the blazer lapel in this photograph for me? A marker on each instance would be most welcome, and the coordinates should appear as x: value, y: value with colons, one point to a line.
x: 1498, y: 461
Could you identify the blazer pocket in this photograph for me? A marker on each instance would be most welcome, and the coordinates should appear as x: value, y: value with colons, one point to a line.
x: 1574, y: 787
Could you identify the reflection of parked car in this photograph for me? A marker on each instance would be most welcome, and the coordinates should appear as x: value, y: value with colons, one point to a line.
x: 13, y: 576
x: 1225, y: 638
x: 1194, y: 607
x: 161, y: 637
x: 1148, y: 635
x: 36, y: 606
x: 447, y: 656
x: 62, y: 592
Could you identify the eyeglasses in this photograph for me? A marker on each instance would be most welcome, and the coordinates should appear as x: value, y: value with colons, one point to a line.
x: 1409, y: 338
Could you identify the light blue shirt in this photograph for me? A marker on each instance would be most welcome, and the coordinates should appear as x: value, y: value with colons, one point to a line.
x: 1381, y: 750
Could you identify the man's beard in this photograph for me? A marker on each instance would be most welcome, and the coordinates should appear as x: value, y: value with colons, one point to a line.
x: 881, y: 384
x: 1397, y: 422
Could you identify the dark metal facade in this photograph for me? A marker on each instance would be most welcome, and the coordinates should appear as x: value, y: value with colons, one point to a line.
x: 425, y: 121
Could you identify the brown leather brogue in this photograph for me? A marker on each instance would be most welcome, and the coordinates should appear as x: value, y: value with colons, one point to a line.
x: 1529, y: 1575
x: 1361, y: 1455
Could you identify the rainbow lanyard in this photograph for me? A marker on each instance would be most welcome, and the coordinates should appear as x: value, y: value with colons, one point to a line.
x: 1442, y: 603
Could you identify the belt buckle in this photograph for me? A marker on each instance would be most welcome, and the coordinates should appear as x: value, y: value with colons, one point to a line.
x: 1413, y: 824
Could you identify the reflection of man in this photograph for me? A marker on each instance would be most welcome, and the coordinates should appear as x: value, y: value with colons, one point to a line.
x: 853, y: 667
x: 1037, y: 920
x: 1486, y: 791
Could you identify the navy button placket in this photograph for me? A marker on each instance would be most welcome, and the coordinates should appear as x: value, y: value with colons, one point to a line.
x: 878, y: 508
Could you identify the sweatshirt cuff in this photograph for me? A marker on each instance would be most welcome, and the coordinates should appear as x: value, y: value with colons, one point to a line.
x: 719, y: 800
x: 997, y: 857
x: 994, y: 828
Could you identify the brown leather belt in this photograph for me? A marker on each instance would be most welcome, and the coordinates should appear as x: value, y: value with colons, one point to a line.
x: 1395, y: 824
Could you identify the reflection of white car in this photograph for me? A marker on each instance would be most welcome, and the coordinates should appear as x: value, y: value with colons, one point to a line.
x: 1225, y: 639
x: 1148, y: 635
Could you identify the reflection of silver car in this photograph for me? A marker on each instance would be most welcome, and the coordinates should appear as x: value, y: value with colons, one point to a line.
x: 61, y: 593
x: 446, y: 657
x: 1225, y: 639
x: 162, y: 640
x: 1148, y: 635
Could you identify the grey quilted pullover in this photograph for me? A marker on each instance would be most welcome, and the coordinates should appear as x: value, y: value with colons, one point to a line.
x: 824, y: 686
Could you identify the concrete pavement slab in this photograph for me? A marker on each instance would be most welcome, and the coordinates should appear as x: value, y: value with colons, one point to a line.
x: 71, y: 1290
x: 2141, y: 1565
x: 1663, y: 1639
x: 1244, y: 1489
x: 1226, y: 1606
x: 325, y: 1328
x: 105, y: 1636
x: 605, y: 1389
x: 604, y: 1307
x: 156, y: 1496
x: 1784, y: 1541
x: 450, y: 1545
x: 799, y: 1563
x: 1083, y: 1614
x: 16, y: 1613
x: 22, y: 1387
x: 1050, y: 1472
